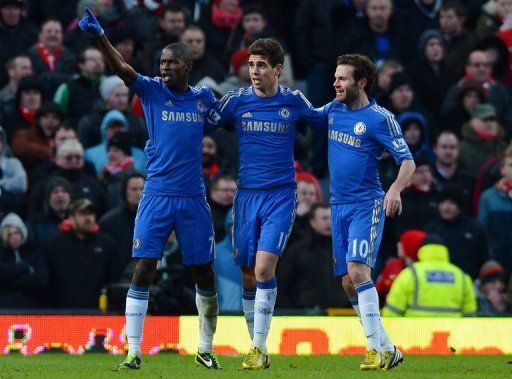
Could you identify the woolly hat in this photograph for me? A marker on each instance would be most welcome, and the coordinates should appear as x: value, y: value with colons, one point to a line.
x: 453, y: 193
x: 122, y: 142
x: 411, y: 241
x: 427, y: 36
x: 491, y: 270
x: 54, y: 182
x: 109, y: 84
x: 12, y: 219
x: 238, y: 59
x: 399, y: 79
x: 50, y: 107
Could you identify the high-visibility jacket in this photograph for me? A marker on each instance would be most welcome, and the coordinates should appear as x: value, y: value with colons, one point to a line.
x: 431, y: 287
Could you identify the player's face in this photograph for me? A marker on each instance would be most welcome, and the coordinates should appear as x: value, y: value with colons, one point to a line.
x: 447, y: 149
x: 347, y: 90
x: 263, y: 75
x: 173, y: 69
x: 506, y: 170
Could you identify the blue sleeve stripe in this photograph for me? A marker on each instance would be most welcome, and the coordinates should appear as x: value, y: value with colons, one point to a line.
x: 394, y: 128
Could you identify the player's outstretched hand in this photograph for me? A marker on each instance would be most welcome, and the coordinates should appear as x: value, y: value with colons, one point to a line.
x: 392, y: 202
x: 90, y: 25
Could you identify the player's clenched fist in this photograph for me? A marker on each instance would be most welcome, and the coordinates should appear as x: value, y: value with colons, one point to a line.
x: 90, y: 25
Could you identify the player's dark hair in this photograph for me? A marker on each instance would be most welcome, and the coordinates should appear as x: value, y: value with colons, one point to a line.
x: 363, y: 68
x: 181, y: 50
x: 268, y: 48
x: 314, y: 207
x: 456, y: 6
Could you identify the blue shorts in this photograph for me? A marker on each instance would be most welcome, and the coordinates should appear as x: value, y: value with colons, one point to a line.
x: 356, y: 233
x: 262, y: 221
x: 190, y: 217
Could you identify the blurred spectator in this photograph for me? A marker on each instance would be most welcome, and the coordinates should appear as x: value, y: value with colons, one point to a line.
x: 384, y: 72
x: 119, y: 222
x: 17, y: 68
x: 29, y: 99
x: 380, y: 37
x: 419, y: 201
x: 120, y: 164
x: 431, y: 287
x: 77, y: 96
x: 219, y: 21
x: 228, y: 281
x: 305, y: 271
x: 125, y: 42
x: 112, y: 14
x: 44, y: 225
x: 496, y: 48
x: 307, y: 195
x: 210, y: 160
x: 33, y: 145
x: 482, y: 138
x: 416, y: 134
x: 222, y: 192
x: 491, y: 290
x: 495, y: 213
x: 495, y: 12
x: 70, y: 165
x: 433, y: 75
x: 51, y: 61
x: 114, y: 96
x: 173, y: 20
x: 478, y: 72
x: 468, y: 97
x: 113, y: 123
x: 447, y: 169
x: 16, y: 33
x: 13, y: 180
x: 458, y: 40
x: 240, y: 70
x: 22, y: 268
x: 204, y: 65
x: 63, y: 10
x: 74, y: 39
x: 81, y: 260
x: 407, y: 253
x: 401, y: 94
x: 464, y: 237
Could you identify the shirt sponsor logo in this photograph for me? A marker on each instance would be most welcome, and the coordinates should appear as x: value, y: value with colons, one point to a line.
x: 182, y: 116
x: 344, y: 138
x: 265, y: 126
x: 400, y: 145
x: 359, y: 128
x: 284, y: 113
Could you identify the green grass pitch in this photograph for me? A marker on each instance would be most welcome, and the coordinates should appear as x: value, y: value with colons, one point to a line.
x: 59, y: 365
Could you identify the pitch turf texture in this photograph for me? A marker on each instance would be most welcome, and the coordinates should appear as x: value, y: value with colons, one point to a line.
x: 59, y: 365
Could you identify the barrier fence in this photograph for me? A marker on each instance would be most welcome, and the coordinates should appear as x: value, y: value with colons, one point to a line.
x: 293, y: 335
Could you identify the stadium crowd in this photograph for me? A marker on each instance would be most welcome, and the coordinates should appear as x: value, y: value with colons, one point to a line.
x: 72, y: 136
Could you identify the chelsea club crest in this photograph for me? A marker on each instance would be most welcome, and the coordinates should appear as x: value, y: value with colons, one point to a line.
x: 201, y: 107
x: 284, y: 113
x: 359, y: 128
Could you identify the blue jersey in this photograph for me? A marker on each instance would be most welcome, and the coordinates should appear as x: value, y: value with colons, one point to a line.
x: 357, y: 139
x: 175, y: 124
x: 265, y: 130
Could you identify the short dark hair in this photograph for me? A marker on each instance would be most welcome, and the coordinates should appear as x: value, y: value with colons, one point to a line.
x: 268, y: 48
x: 81, y: 56
x: 254, y: 8
x: 315, y: 206
x: 445, y: 132
x: 181, y: 50
x: 363, y: 68
x: 457, y: 6
x: 176, y: 8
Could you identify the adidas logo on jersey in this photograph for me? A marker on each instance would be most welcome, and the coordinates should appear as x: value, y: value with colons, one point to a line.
x: 247, y: 114
x: 169, y: 103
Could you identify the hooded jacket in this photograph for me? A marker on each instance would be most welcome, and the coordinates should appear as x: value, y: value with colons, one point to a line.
x: 98, y: 155
x: 423, y: 149
x: 13, y: 177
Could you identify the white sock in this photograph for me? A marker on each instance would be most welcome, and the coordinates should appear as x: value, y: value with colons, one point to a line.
x: 385, y: 342
x: 207, y: 309
x: 136, y: 308
x: 370, y: 314
x: 264, y: 302
x: 248, y: 296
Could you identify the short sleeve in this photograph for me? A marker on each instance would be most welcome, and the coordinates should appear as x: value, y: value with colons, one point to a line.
x: 143, y: 85
x: 389, y: 134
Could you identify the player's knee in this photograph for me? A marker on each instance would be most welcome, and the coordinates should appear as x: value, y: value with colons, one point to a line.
x: 203, y: 275
x: 144, y: 272
x: 358, y: 274
x: 248, y: 277
x: 348, y: 286
x: 264, y: 273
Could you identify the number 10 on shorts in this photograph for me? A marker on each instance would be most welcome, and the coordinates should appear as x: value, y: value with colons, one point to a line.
x: 360, y: 247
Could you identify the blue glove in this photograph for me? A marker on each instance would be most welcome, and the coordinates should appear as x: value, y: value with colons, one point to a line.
x: 90, y: 25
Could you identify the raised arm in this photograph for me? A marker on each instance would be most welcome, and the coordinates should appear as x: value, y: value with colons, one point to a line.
x: 91, y: 26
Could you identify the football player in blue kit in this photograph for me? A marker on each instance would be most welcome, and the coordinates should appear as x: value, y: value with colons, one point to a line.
x: 358, y: 132
x: 266, y: 117
x: 174, y: 193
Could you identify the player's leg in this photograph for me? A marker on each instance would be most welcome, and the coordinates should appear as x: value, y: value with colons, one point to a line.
x: 277, y: 212
x: 150, y: 234
x: 194, y: 231
x: 248, y: 297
